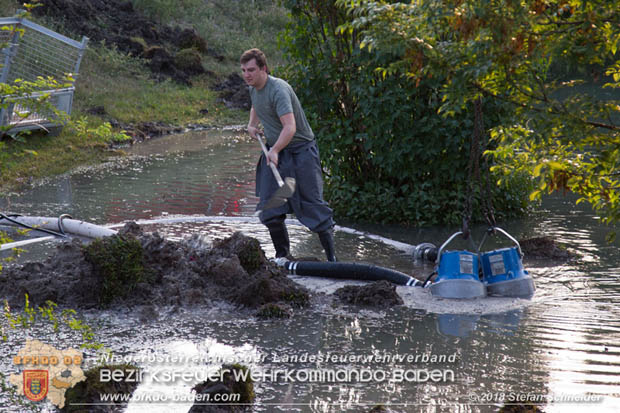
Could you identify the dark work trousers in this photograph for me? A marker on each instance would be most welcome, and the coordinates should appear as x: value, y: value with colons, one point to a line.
x: 302, y: 162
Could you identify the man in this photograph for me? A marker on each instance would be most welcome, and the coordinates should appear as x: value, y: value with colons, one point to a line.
x: 293, y: 149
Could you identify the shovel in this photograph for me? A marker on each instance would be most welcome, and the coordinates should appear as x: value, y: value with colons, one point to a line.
x: 286, y: 187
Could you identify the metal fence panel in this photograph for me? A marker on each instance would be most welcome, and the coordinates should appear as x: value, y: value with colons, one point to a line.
x: 38, y: 52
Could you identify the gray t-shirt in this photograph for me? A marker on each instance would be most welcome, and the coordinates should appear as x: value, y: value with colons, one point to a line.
x: 275, y: 99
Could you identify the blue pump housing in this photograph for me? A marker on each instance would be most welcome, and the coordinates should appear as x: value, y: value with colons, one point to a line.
x: 503, y: 273
x: 458, y: 265
x: 457, y: 276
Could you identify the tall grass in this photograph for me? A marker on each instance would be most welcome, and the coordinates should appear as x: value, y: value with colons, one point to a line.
x: 127, y: 92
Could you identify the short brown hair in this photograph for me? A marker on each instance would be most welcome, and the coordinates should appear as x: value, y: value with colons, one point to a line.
x: 257, y: 54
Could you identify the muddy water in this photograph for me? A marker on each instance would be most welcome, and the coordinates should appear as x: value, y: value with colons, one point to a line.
x: 557, y: 349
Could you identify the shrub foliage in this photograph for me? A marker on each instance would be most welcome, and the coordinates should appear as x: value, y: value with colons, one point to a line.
x: 389, y: 155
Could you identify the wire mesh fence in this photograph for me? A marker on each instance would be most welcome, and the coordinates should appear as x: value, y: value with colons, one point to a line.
x: 32, y: 52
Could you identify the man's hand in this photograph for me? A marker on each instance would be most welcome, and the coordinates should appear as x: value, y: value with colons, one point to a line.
x: 272, y: 156
x: 253, y: 131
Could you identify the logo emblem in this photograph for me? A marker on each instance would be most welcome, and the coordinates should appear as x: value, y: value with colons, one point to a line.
x: 36, y: 384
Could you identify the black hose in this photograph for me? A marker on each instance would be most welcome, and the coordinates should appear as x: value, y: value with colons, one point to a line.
x: 428, y: 278
x: 349, y: 270
x: 21, y: 224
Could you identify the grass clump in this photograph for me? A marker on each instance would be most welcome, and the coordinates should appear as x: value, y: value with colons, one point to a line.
x: 189, y: 60
x: 89, y: 391
x: 296, y: 298
x: 251, y: 256
x: 235, y: 379
x: 119, y: 262
x: 274, y: 310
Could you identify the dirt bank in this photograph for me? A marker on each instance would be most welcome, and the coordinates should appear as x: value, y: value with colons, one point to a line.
x: 171, y: 52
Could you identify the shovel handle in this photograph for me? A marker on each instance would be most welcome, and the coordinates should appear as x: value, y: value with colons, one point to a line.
x: 274, y: 169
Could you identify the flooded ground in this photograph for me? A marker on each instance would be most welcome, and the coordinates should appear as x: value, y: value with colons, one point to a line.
x: 561, y: 349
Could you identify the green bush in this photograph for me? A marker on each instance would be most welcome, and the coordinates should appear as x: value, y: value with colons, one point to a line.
x: 389, y: 155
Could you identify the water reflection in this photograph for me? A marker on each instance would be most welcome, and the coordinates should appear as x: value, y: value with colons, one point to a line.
x: 205, y: 182
x: 458, y: 325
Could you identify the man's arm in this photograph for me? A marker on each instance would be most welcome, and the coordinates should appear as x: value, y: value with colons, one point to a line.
x: 289, y: 127
x: 253, y: 123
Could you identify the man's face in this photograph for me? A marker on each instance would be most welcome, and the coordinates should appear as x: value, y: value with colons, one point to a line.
x: 252, y: 74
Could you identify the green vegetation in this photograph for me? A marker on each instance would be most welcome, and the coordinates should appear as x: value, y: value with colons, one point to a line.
x: 274, y: 310
x: 251, y: 256
x: 515, y: 53
x: 119, y: 262
x: 297, y: 298
x: 391, y: 156
x: 244, y: 388
x: 48, y: 315
x: 5, y: 239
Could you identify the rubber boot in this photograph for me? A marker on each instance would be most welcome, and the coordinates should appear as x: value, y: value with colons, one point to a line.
x: 280, y: 240
x: 327, y: 241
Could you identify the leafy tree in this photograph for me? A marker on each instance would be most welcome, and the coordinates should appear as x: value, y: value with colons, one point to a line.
x: 550, y: 61
x: 389, y: 154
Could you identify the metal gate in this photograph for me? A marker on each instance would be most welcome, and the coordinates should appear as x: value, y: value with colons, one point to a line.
x: 33, y: 53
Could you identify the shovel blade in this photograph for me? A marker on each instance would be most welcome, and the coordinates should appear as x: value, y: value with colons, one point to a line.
x: 280, y: 197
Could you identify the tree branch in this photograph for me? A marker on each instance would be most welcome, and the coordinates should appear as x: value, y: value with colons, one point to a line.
x: 539, y: 110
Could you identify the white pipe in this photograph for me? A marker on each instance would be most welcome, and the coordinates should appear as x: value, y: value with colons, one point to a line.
x: 21, y: 243
x: 70, y: 226
x: 408, y: 248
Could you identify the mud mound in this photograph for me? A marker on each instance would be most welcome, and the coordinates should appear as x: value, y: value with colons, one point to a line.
x: 242, y: 255
x: 544, y: 248
x: 380, y: 294
x: 234, y: 92
x: 113, y: 272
